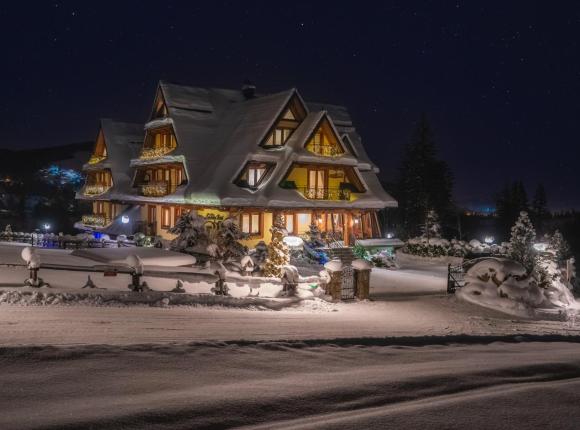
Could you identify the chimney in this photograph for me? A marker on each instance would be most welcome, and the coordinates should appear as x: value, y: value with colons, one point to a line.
x: 248, y: 89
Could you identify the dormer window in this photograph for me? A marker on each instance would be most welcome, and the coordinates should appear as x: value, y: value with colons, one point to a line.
x: 158, y: 142
x: 253, y: 174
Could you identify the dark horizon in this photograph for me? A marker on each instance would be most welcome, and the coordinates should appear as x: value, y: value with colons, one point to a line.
x: 498, y: 82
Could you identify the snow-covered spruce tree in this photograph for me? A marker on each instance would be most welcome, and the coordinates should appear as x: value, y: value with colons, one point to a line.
x: 278, y: 253
x: 190, y: 230
x: 431, y: 229
x: 560, y: 247
x: 227, y: 238
x: 522, y: 242
x: 314, y: 235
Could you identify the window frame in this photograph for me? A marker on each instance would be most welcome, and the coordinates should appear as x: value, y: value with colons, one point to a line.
x: 260, y: 223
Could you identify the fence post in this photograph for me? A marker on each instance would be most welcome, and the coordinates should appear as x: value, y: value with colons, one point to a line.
x: 450, y: 287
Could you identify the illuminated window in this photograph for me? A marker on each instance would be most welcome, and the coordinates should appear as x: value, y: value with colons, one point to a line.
x: 255, y: 174
x: 251, y: 223
x: 278, y: 137
x: 165, y: 217
x: 289, y: 223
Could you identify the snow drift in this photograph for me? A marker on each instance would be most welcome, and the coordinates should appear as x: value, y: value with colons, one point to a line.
x: 503, y: 284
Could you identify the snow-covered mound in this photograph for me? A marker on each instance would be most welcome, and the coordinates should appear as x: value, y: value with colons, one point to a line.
x: 502, y: 284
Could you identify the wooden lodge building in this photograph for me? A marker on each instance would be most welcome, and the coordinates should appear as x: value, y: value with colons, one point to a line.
x: 233, y: 152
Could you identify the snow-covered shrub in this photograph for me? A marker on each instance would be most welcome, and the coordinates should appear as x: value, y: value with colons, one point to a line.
x: 384, y: 259
x: 190, y: 230
x: 506, y: 285
x: 226, y: 240
x: 360, y: 251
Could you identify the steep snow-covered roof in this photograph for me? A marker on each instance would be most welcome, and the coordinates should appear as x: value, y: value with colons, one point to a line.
x: 123, y: 141
x: 218, y: 131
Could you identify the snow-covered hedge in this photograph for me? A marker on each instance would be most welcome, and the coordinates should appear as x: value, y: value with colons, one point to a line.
x: 451, y: 248
x: 505, y: 285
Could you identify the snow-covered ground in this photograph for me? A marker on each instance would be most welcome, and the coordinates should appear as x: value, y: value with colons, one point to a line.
x: 413, y: 357
x: 281, y: 385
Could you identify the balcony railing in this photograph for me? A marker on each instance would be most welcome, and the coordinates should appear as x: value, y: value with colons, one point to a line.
x: 325, y: 150
x: 96, y: 159
x: 156, y: 189
x: 325, y: 193
x: 95, y: 189
x: 147, y: 153
x: 96, y: 220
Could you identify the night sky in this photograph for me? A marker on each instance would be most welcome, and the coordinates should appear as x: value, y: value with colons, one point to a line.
x: 499, y: 81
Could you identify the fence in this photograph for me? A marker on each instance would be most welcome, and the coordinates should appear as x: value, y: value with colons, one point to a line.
x: 50, y: 240
x: 455, y: 278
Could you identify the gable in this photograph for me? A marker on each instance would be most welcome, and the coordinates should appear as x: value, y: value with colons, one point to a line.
x: 159, y: 106
x: 100, y: 149
x: 284, y: 125
x: 325, y: 141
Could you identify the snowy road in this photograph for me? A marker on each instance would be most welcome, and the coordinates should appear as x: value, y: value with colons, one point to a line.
x: 290, y: 386
x: 410, y: 316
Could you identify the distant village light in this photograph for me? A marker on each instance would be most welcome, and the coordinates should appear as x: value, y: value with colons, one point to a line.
x: 46, y: 227
x: 390, y: 235
x: 488, y: 239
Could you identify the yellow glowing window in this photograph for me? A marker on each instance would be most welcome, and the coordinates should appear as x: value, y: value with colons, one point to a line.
x: 251, y: 223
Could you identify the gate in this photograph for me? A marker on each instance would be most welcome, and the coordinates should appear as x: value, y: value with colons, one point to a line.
x: 347, y: 283
x: 455, y: 278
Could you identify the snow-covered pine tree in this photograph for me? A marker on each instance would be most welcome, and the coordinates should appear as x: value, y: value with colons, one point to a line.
x: 560, y: 247
x: 190, y: 230
x: 227, y: 239
x: 522, y: 242
x: 278, y: 253
x: 314, y: 235
x: 431, y: 229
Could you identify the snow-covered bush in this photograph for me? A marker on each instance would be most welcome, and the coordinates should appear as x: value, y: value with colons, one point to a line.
x: 224, y: 241
x: 190, y: 230
x: 506, y: 285
x: 452, y: 248
x: 384, y: 259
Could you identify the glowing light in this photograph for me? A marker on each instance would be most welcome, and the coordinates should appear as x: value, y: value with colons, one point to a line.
x: 356, y: 220
x: 540, y: 246
x: 125, y: 219
x: 390, y: 235
x: 46, y: 227
x: 488, y: 239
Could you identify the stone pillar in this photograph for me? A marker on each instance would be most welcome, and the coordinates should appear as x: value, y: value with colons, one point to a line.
x: 362, y: 270
x: 334, y: 287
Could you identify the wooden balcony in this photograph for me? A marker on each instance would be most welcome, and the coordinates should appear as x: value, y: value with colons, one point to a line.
x: 96, y: 220
x: 325, y: 150
x: 95, y: 189
x: 156, y: 189
x: 155, y: 152
x: 325, y: 193
x: 96, y: 159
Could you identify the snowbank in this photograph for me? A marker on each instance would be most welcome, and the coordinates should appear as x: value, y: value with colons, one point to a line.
x: 148, y: 256
x: 502, y: 284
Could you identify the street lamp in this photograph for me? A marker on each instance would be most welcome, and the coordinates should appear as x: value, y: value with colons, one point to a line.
x: 46, y: 227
